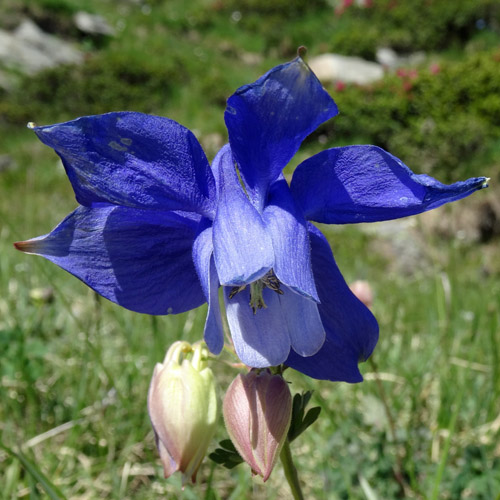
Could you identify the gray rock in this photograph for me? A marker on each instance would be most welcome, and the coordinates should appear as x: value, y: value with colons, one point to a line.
x: 334, y: 67
x: 92, y: 24
x: 389, y: 58
x: 29, y: 49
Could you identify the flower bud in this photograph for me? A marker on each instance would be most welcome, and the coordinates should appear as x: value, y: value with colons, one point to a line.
x: 183, y: 408
x: 257, y: 411
x: 363, y: 291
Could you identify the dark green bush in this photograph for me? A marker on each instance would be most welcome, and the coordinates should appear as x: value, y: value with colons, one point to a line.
x: 104, y: 83
x: 411, y: 25
x: 285, y: 8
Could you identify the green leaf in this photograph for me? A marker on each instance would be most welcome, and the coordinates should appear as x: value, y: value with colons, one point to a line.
x: 226, y: 455
x: 311, y: 417
x: 227, y: 444
x: 300, y: 422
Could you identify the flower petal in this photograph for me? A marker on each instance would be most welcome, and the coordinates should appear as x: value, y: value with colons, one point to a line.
x: 134, y: 160
x: 243, y: 250
x: 169, y: 464
x: 367, y: 184
x: 292, y: 250
x: 305, y: 327
x: 351, y: 329
x: 205, y: 266
x: 260, y: 339
x: 139, y: 259
x: 268, y: 120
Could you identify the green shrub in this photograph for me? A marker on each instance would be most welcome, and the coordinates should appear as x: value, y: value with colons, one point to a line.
x: 285, y: 8
x: 412, y: 25
x: 106, y: 82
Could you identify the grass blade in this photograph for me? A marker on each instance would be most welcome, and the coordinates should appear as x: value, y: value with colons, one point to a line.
x: 52, y: 491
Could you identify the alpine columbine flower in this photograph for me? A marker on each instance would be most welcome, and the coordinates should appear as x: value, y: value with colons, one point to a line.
x: 159, y: 230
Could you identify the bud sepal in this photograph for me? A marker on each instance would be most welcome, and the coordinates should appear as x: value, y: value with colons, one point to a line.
x: 183, y: 408
x: 257, y: 412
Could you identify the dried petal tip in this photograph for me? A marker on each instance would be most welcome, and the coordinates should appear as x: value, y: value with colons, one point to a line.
x: 257, y: 411
x: 183, y: 408
x: 25, y: 246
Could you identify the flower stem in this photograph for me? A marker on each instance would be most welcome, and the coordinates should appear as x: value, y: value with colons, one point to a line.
x: 290, y: 471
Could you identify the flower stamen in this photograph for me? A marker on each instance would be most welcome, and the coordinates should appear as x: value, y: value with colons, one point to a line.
x: 257, y: 287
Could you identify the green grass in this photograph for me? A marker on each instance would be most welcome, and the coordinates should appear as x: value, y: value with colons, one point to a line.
x: 75, y: 370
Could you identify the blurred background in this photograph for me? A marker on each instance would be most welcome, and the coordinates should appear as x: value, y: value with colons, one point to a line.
x: 419, y: 78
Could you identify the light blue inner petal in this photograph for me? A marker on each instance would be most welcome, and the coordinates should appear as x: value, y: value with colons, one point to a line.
x: 305, y: 328
x: 205, y: 266
x: 243, y: 248
x: 292, y: 249
x: 260, y: 339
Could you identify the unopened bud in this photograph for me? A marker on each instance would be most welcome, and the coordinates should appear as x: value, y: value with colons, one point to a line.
x: 257, y: 411
x: 183, y: 408
x: 363, y: 292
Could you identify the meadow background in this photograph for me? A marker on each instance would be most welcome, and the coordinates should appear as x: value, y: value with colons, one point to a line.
x: 75, y: 369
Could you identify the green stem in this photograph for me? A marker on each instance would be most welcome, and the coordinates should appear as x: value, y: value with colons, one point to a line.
x: 290, y: 471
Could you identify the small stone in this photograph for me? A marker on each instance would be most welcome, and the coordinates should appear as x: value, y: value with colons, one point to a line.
x: 387, y: 57
x: 29, y: 49
x: 42, y: 295
x: 390, y: 59
x: 92, y: 24
x: 334, y: 67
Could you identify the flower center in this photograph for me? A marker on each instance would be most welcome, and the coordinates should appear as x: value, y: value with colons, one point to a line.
x: 269, y: 280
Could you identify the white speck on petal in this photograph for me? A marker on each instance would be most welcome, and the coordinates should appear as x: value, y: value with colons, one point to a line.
x: 118, y: 147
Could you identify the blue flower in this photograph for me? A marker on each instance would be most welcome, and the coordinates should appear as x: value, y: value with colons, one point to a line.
x: 159, y: 230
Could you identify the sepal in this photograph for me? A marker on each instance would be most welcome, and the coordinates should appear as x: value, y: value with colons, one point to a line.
x: 257, y: 411
x: 183, y: 408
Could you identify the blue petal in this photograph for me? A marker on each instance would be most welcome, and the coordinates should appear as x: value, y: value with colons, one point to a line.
x: 351, y: 329
x: 205, y: 266
x: 139, y: 259
x: 305, y: 327
x: 243, y: 250
x: 367, y: 184
x: 268, y: 120
x: 260, y: 339
x: 134, y: 160
x: 292, y: 250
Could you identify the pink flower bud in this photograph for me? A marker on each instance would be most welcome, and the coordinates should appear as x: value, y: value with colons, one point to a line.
x: 363, y: 292
x: 257, y: 411
x: 340, y: 86
x: 183, y: 408
x: 434, y: 68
